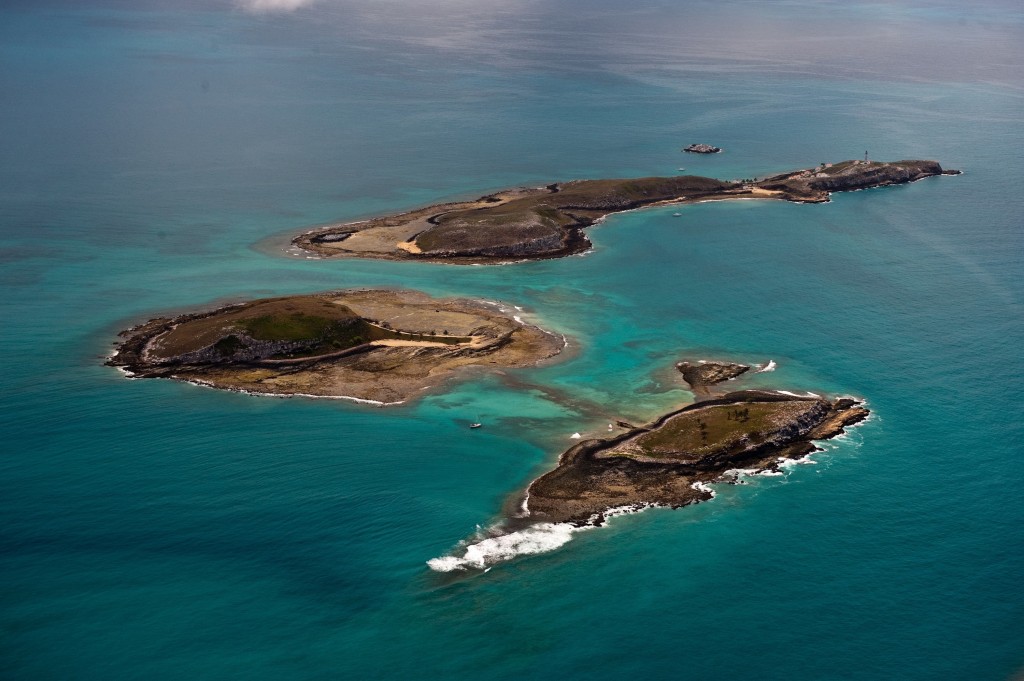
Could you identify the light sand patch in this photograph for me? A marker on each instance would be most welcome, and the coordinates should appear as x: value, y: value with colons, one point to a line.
x: 476, y: 342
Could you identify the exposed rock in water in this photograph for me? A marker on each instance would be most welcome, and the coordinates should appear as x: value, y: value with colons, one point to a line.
x: 702, y: 374
x: 702, y: 149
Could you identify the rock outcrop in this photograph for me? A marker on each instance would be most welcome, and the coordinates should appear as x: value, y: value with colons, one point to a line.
x: 703, y: 149
x: 701, y: 375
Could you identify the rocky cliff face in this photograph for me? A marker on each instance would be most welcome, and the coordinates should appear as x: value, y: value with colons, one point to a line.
x: 240, y: 347
x: 869, y: 175
x: 815, y: 184
x: 548, y: 243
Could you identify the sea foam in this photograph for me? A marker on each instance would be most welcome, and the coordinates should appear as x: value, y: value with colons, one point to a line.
x: 539, y: 538
x: 490, y: 546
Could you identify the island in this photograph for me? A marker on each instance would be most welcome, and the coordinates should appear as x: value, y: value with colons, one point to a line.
x: 550, y: 221
x: 378, y: 346
x: 702, y: 375
x: 671, y: 461
x: 702, y: 149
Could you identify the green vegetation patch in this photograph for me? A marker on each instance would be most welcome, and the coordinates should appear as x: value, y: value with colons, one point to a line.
x: 544, y: 217
x: 228, y: 345
x: 837, y: 168
x: 321, y: 325
x: 716, y: 428
x: 487, y: 229
x: 298, y: 326
x: 612, y: 194
x: 328, y: 335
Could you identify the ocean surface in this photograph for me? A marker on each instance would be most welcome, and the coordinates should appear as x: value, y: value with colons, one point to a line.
x: 155, y: 156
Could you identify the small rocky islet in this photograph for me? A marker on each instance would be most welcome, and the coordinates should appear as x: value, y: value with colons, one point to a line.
x: 701, y: 148
x: 701, y: 376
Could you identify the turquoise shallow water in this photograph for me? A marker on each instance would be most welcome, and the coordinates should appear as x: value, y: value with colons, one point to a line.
x: 159, y: 530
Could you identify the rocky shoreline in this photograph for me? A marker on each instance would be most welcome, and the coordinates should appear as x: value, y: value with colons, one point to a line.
x: 551, y: 221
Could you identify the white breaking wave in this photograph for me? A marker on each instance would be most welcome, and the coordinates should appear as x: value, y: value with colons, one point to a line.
x: 524, y: 507
x: 206, y: 384
x: 770, y: 366
x: 704, y: 487
x: 792, y: 394
x: 802, y: 461
x: 539, y: 538
x: 534, y: 539
x: 737, y: 474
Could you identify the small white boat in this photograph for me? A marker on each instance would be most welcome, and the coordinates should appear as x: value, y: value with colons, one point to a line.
x: 680, y: 169
x: 476, y: 425
x: 677, y: 215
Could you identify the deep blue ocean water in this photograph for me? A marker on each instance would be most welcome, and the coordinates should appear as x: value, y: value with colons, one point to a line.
x: 154, y: 155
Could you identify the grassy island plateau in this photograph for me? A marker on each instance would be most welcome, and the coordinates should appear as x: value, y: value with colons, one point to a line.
x: 381, y: 346
x: 671, y: 461
x: 549, y: 222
